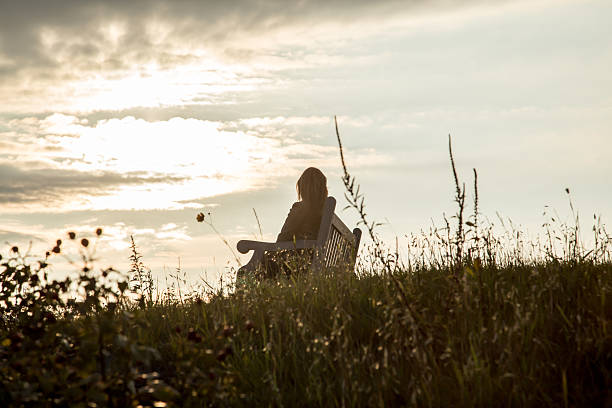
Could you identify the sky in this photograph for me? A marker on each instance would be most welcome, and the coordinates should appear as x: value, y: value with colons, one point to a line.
x: 135, y: 116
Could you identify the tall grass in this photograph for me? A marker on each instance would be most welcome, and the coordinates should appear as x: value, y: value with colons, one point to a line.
x: 467, y: 318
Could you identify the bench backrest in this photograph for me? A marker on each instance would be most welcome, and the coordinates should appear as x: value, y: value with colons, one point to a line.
x: 336, y: 244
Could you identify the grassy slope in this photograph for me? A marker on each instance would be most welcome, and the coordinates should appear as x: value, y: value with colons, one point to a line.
x: 515, y: 336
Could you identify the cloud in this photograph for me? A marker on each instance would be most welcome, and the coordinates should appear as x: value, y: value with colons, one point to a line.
x: 29, y: 27
x: 47, y: 186
x: 65, y: 163
x: 10, y: 237
x: 86, y: 56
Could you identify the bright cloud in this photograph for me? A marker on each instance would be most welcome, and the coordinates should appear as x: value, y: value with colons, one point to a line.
x: 83, y: 57
x: 131, y: 163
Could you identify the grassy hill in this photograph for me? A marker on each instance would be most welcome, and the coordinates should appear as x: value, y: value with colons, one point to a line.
x: 520, y: 335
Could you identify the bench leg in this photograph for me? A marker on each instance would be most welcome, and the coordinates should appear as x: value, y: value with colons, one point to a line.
x: 252, y: 265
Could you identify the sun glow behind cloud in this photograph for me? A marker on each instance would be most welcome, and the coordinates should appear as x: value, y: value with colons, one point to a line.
x: 153, y: 87
x: 198, y: 158
x: 137, y: 164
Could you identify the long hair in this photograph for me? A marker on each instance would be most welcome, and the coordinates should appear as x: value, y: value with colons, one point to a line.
x: 312, y: 188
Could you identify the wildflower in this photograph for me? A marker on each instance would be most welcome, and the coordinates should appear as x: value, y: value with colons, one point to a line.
x: 227, y: 351
x: 193, y: 336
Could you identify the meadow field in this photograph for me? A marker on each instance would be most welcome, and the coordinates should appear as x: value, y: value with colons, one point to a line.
x: 468, y: 318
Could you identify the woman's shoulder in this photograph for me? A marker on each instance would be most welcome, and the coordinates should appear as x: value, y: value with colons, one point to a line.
x: 297, y: 207
x: 302, y: 207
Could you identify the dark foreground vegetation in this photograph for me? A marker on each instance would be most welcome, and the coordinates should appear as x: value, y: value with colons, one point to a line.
x: 468, y: 318
x: 521, y: 335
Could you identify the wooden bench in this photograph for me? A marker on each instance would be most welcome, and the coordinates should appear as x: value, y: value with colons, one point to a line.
x: 335, y: 246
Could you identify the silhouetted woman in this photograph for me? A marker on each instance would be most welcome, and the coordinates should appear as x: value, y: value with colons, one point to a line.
x: 302, y: 222
x: 305, y: 215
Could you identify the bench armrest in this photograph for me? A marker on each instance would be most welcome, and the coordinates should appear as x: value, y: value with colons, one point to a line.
x: 245, y: 246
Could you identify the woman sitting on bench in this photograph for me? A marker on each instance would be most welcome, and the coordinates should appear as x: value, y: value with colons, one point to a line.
x: 303, y: 222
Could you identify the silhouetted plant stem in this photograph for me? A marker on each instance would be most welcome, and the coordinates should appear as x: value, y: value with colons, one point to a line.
x: 476, y: 202
x: 574, y: 238
x: 141, y: 277
x: 474, y: 249
x: 460, y: 200
x: 356, y: 201
x: 208, y: 220
x: 258, y: 225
